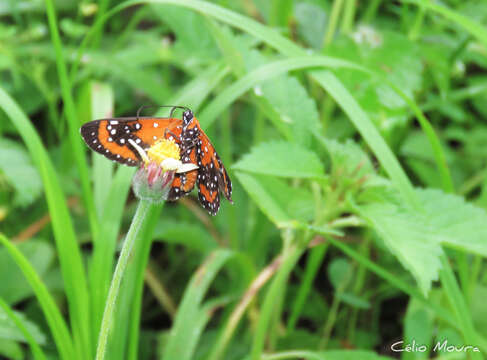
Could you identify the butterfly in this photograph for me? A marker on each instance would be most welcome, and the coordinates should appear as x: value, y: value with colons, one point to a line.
x: 114, y: 137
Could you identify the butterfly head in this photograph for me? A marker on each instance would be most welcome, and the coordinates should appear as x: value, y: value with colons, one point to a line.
x: 187, y: 117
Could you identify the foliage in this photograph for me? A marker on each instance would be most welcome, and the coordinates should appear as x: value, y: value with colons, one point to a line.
x: 354, y: 136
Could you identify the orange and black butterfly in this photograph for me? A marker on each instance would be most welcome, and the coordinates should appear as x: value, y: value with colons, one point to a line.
x: 110, y: 137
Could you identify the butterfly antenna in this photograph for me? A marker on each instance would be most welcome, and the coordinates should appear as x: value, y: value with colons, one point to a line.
x: 173, y: 107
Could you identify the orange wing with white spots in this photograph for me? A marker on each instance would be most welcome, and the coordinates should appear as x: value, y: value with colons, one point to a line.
x: 110, y: 137
x: 212, y: 175
x: 184, y: 182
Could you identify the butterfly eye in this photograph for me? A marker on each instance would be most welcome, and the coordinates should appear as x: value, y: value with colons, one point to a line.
x: 187, y: 116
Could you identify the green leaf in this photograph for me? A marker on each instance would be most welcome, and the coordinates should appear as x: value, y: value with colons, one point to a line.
x: 312, y: 32
x: 282, y: 159
x: 14, y: 286
x: 66, y: 243
x: 418, y: 327
x: 276, y: 199
x: 53, y: 316
x: 474, y: 28
x: 339, y: 271
x: 10, y: 331
x: 194, y: 40
x: 294, y: 106
x: 188, y: 234
x: 192, y: 316
x: 19, y: 172
x: 415, y: 238
x: 29, y: 331
x: 349, y: 158
x: 407, y: 235
x: 11, y: 350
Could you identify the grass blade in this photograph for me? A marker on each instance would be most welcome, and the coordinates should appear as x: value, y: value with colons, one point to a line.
x: 54, y: 318
x: 183, y: 337
x: 69, y: 252
x: 34, y: 347
x: 477, y: 30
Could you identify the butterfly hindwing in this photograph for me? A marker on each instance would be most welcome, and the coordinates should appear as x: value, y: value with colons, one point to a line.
x: 110, y: 137
x: 212, y: 176
x: 184, y: 182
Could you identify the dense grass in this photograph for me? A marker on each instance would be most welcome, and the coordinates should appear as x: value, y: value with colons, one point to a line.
x: 354, y: 135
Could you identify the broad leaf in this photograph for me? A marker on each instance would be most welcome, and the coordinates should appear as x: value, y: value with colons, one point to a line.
x: 415, y: 238
x: 282, y: 159
x: 276, y: 199
x: 19, y: 172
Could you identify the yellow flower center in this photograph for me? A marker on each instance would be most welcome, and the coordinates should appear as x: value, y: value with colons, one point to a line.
x: 162, y: 150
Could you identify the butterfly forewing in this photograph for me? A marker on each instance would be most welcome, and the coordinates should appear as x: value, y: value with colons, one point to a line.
x: 113, y: 138
x: 110, y: 137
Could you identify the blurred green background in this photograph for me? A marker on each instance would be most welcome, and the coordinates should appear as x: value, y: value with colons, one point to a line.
x: 355, y: 134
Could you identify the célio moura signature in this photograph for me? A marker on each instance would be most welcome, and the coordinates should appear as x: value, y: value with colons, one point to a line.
x: 399, y: 346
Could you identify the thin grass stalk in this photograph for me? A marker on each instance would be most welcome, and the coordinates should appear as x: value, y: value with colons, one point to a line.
x: 292, y: 256
x: 137, y: 223
x: 79, y: 305
x: 70, y: 111
x: 55, y: 320
x: 34, y: 347
x: 458, y: 304
x: 333, y: 22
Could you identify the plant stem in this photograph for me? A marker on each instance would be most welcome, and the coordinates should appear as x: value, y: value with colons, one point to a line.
x: 418, y: 22
x: 335, y: 14
x: 349, y: 16
x: 293, y: 255
x: 123, y: 260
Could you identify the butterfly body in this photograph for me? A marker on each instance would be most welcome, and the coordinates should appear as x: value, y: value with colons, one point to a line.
x: 114, y: 138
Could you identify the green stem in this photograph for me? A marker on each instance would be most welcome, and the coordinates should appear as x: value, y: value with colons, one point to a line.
x: 458, y: 304
x: 369, y: 13
x: 123, y: 260
x: 349, y: 16
x: 333, y: 313
x: 418, y: 22
x: 315, y: 258
x: 332, y: 25
x: 293, y: 255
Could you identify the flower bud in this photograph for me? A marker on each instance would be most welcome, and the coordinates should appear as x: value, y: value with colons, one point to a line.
x: 154, y: 178
x: 152, y: 183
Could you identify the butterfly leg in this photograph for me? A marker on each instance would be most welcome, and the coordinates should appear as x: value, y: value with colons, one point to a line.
x: 168, y: 132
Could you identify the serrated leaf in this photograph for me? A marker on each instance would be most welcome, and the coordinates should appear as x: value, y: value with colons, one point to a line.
x: 408, y: 237
x: 19, y: 171
x: 276, y: 199
x: 415, y: 238
x: 293, y: 104
x: 193, y: 37
x: 10, y: 331
x: 287, y: 97
x: 282, y: 159
x: 350, y: 157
